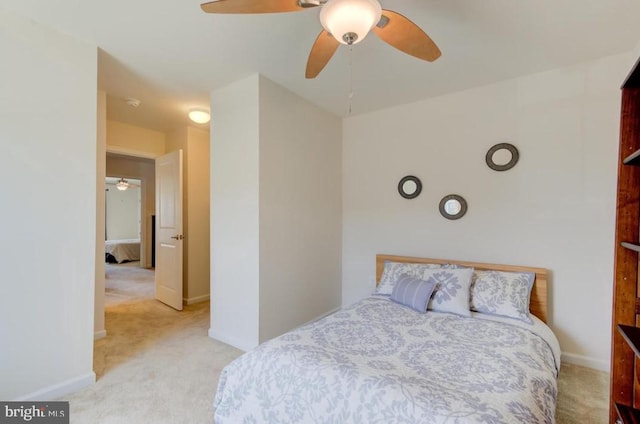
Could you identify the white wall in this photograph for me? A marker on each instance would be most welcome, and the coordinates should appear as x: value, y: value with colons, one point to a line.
x: 48, y: 109
x: 275, y: 212
x: 555, y: 209
x: 198, y: 225
x: 101, y: 173
x: 123, y: 212
x: 130, y: 139
x: 234, y: 213
x: 300, y: 210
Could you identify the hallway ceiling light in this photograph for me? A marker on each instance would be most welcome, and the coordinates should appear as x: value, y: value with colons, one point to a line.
x: 199, y: 116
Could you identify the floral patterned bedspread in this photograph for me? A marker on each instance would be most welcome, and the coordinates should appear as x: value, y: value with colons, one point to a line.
x: 379, y: 362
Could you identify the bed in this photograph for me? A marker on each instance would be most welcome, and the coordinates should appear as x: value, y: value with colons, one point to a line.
x: 379, y: 361
x: 119, y: 251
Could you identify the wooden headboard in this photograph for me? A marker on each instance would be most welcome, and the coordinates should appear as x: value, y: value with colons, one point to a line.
x: 538, y: 304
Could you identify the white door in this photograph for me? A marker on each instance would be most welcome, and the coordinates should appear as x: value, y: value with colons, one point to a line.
x: 169, y: 234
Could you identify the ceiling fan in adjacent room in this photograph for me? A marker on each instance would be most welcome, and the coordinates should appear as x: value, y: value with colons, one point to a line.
x: 344, y: 21
x: 122, y: 184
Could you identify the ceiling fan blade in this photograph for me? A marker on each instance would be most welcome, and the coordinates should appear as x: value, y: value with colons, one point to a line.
x: 404, y: 35
x: 253, y: 6
x: 321, y: 52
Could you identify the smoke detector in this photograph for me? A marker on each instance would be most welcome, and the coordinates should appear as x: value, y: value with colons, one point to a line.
x: 133, y: 102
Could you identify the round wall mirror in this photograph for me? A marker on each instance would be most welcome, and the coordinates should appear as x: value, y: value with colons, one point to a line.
x: 409, y: 187
x: 453, y: 206
x: 502, y: 156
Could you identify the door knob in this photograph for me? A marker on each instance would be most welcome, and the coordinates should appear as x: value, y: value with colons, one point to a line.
x: 177, y: 237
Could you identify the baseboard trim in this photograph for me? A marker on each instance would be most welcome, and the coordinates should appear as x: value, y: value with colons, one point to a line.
x: 230, y: 340
x: 100, y: 334
x: 586, y: 361
x: 243, y: 345
x: 196, y: 299
x: 60, y: 390
x: 319, y: 317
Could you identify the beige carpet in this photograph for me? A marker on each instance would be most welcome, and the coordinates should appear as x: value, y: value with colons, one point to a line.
x: 159, y: 366
x: 583, y: 396
x: 156, y: 365
x: 127, y: 282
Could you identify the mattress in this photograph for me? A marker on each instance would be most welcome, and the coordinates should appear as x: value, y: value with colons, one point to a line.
x: 380, y: 362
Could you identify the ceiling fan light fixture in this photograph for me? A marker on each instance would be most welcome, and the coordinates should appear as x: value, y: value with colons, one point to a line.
x: 122, y: 184
x: 349, y: 21
x: 199, y: 116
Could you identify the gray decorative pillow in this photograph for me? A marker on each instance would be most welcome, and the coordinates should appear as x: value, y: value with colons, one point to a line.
x: 412, y: 292
x: 502, y: 293
x: 393, y: 270
x: 452, y: 290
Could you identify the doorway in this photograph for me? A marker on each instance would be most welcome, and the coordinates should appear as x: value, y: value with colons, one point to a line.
x: 123, y: 211
x: 125, y: 279
x: 128, y: 212
x: 125, y: 220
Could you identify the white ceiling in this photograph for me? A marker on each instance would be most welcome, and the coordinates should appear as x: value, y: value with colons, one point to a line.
x: 171, y: 55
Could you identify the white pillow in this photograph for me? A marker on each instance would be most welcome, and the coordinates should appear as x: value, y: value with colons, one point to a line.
x: 452, y: 290
x: 393, y: 270
x: 502, y: 293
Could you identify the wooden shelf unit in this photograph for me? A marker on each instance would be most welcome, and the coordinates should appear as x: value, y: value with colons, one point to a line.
x: 627, y: 414
x: 633, y: 159
x: 631, y: 246
x: 631, y: 336
x: 625, y: 334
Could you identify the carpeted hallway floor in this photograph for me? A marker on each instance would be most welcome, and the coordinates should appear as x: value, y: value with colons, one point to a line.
x: 158, y: 366
x: 127, y: 282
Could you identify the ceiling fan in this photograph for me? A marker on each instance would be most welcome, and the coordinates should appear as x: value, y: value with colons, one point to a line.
x: 122, y: 184
x: 344, y: 21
